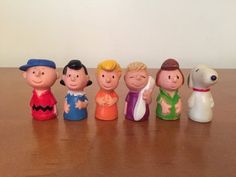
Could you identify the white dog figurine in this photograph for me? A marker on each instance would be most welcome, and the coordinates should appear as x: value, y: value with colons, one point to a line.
x: 201, y: 102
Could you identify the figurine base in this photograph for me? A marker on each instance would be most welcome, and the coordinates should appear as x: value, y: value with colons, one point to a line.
x: 44, y: 118
x: 200, y: 121
x: 74, y: 119
x: 102, y: 119
x: 132, y: 119
x: 169, y: 119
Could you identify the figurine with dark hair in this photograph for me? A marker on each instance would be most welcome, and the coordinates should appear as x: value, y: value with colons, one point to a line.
x: 41, y: 75
x: 75, y: 78
x: 169, y: 78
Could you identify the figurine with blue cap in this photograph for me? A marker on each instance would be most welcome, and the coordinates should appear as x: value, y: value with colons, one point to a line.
x: 41, y: 75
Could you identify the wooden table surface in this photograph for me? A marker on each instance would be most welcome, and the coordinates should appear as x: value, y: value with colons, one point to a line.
x: 118, y: 148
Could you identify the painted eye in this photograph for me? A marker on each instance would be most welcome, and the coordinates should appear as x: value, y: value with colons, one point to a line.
x: 69, y: 75
x: 169, y: 76
x: 177, y: 77
x: 33, y: 72
x: 196, y: 70
x: 113, y: 77
x: 103, y: 75
x: 143, y: 77
x: 77, y: 76
x: 43, y: 73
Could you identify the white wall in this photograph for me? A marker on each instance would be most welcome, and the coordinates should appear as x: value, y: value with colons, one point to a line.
x: 193, y: 31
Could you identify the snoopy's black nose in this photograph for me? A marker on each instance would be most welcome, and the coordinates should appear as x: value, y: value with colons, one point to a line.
x: 213, y: 78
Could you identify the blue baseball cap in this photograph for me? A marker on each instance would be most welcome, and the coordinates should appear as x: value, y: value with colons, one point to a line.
x: 38, y: 62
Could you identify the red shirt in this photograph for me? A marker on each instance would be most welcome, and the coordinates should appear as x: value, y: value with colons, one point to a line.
x: 42, y: 106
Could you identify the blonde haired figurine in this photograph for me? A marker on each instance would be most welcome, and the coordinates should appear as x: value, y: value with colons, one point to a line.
x: 108, y: 76
x: 140, y: 85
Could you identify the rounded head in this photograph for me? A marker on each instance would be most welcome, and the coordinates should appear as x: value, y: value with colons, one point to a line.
x: 202, y: 77
x: 136, y: 76
x: 170, y: 77
x: 75, y: 76
x: 108, y: 74
x: 40, y: 77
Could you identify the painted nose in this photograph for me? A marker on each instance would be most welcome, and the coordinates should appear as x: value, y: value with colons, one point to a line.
x: 174, y: 79
x: 108, y: 80
x: 73, y: 78
x: 213, y: 78
x: 37, y: 73
x: 138, y: 78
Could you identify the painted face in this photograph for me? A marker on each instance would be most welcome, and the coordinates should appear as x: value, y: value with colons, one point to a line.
x: 136, y: 80
x: 108, y: 80
x: 170, y: 80
x: 40, y: 77
x: 75, y: 80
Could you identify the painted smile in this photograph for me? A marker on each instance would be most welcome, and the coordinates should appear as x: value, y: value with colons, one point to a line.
x: 73, y: 85
x: 37, y: 82
x: 173, y: 86
x: 108, y: 87
x: 137, y: 85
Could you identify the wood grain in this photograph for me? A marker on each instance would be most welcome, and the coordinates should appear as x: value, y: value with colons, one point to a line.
x: 118, y: 148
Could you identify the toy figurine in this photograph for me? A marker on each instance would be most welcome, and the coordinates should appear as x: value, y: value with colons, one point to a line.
x: 141, y: 86
x: 108, y: 76
x: 41, y: 75
x: 201, y: 102
x: 169, y: 78
x: 75, y: 78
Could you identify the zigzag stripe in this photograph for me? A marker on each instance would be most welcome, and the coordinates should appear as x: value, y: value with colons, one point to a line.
x: 37, y: 108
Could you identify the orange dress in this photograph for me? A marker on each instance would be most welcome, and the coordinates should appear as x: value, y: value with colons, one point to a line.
x: 106, y: 112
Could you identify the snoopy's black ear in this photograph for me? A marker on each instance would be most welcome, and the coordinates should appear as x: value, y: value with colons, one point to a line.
x: 190, y: 82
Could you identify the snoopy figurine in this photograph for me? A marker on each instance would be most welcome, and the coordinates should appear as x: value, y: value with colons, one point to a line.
x: 201, y: 101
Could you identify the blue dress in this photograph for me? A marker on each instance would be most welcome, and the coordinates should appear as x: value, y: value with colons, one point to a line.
x: 75, y: 113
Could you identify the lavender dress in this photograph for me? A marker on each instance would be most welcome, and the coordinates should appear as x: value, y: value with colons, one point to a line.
x: 131, y: 100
